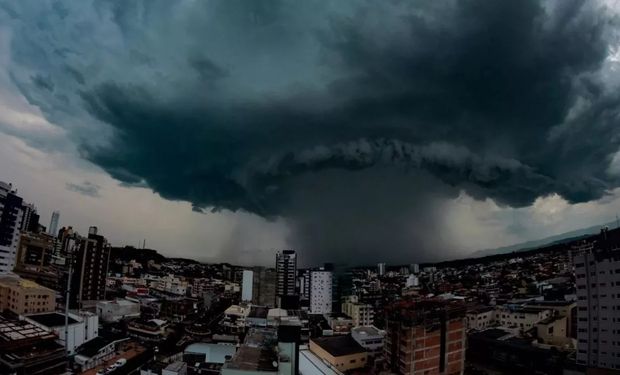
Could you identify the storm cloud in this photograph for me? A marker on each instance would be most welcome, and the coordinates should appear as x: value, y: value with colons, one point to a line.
x: 353, y: 120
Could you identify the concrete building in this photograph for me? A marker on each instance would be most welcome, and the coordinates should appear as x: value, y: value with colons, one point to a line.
x: 552, y: 331
x: 83, y: 327
x: 119, y: 309
x: 480, y: 318
x: 361, y: 313
x: 246, y: 285
x: 426, y: 336
x: 264, y: 288
x: 523, y: 318
x: 342, y: 352
x: 11, y: 218
x: 90, y: 270
x: 266, y: 352
x: 320, y: 292
x: 567, y: 309
x: 597, y: 273
x: 174, y: 285
x: 34, y: 259
x: 23, y: 296
x: 286, y: 272
x: 26, y: 349
x: 30, y: 219
x: 370, y: 338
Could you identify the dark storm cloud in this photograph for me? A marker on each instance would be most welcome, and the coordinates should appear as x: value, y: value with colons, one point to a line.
x: 86, y: 188
x: 265, y: 106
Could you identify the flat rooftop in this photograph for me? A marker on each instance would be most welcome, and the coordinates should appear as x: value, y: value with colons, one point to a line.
x: 14, y: 330
x: 51, y: 319
x: 339, y: 345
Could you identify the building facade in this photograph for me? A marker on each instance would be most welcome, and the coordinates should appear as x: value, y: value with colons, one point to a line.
x: 286, y: 271
x: 23, y: 296
x: 597, y: 273
x: 11, y: 218
x: 361, y: 313
x: 425, y: 337
x: 90, y: 269
x: 247, y: 282
x: 320, y: 292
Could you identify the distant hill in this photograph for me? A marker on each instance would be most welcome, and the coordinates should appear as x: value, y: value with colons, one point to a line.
x: 557, y: 239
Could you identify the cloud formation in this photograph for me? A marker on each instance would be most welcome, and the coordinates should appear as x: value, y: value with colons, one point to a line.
x: 297, y: 110
x: 86, y: 188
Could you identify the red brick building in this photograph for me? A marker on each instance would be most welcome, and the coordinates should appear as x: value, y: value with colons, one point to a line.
x: 425, y: 337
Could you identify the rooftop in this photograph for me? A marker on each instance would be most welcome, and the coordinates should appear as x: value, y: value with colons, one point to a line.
x: 14, y: 330
x: 367, y: 330
x: 339, y: 345
x: 53, y: 319
x: 257, y: 353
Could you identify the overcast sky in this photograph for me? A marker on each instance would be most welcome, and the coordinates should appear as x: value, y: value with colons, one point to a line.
x: 351, y: 131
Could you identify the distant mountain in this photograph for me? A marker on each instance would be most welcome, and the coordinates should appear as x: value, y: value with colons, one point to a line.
x: 558, y: 238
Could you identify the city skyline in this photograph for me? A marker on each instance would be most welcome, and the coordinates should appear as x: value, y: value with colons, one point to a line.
x: 232, y: 130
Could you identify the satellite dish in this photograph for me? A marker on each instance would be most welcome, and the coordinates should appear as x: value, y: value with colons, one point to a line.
x: 274, y: 364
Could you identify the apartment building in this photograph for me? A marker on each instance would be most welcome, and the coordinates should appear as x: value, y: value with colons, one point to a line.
x: 425, y: 337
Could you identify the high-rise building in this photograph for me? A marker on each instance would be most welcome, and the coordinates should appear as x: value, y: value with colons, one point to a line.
x: 597, y: 273
x: 425, y: 337
x: 264, y: 288
x: 286, y: 269
x: 54, y: 223
x: 381, y: 269
x: 11, y: 218
x: 246, y: 285
x: 320, y: 292
x: 30, y: 222
x: 90, y: 269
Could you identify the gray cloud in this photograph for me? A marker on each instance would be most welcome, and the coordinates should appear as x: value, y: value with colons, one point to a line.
x: 268, y: 106
x: 86, y: 188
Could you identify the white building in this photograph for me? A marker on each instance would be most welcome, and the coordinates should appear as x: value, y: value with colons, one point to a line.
x: 83, y: 327
x: 113, y: 311
x: 10, y: 202
x: 246, y: 285
x: 412, y: 281
x: 480, y: 318
x: 320, y: 292
x: 171, y: 284
x: 370, y: 338
x: 523, y: 318
x: 381, y: 269
x: 597, y: 273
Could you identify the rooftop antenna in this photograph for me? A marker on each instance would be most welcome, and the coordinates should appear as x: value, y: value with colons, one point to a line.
x: 144, y: 244
x: 617, y: 222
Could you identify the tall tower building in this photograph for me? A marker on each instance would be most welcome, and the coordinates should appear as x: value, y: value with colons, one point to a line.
x: 90, y: 269
x: 54, y: 223
x: 425, y: 337
x: 246, y: 285
x: 11, y: 218
x: 320, y: 292
x: 381, y: 269
x: 597, y: 275
x: 286, y: 269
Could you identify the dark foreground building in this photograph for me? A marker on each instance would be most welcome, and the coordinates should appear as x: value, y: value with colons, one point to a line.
x: 425, y: 337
